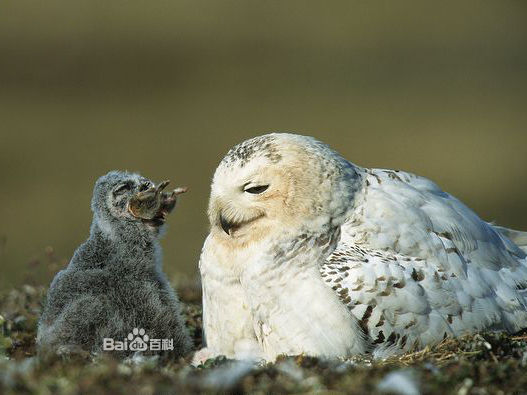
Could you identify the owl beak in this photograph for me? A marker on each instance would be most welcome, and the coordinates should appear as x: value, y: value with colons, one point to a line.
x: 230, y: 227
x: 226, y: 225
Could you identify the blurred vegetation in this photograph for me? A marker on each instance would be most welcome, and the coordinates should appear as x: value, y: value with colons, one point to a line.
x: 166, y: 87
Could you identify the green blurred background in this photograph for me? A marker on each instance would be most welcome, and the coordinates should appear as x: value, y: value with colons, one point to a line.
x: 166, y: 87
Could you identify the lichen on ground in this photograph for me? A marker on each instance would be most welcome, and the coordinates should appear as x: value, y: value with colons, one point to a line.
x: 485, y: 363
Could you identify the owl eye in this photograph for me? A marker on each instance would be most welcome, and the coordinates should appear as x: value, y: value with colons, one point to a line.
x: 257, y: 189
x: 121, y: 189
x: 144, y: 186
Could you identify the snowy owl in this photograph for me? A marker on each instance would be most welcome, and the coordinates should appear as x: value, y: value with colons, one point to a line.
x: 309, y: 253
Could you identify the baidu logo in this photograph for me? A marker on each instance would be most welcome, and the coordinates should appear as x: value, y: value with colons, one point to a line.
x: 138, y: 340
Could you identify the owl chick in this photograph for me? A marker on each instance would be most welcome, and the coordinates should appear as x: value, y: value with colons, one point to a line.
x: 114, y: 286
x: 309, y: 253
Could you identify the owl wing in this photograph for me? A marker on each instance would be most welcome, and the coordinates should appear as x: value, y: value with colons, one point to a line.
x: 415, y: 265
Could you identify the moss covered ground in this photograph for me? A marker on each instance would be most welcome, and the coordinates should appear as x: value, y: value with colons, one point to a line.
x: 485, y: 363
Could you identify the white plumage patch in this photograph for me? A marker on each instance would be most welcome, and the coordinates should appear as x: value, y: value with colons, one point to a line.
x: 415, y: 265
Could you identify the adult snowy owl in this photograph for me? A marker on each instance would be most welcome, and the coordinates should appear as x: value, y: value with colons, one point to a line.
x: 309, y: 253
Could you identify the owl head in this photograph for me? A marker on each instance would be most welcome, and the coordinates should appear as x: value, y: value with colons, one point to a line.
x: 277, y: 183
x: 127, y: 202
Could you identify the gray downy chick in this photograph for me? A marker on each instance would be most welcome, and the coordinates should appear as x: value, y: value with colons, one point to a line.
x: 114, y: 282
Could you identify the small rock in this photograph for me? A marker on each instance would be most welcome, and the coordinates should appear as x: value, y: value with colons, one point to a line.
x: 29, y: 290
x: 401, y: 382
x: 227, y: 376
x: 465, y: 387
x: 290, y: 369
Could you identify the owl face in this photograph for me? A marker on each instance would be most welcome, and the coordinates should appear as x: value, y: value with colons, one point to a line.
x: 245, y: 200
x: 121, y: 197
x: 122, y: 191
x: 272, y: 184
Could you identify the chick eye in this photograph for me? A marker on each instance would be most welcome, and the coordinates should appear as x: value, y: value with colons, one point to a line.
x: 144, y: 187
x: 257, y: 189
x: 121, y: 189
